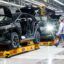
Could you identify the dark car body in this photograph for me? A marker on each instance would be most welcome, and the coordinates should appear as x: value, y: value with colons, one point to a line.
x: 44, y: 34
x: 21, y: 26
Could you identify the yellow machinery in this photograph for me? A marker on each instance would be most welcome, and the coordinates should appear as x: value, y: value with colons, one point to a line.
x: 50, y: 42
x: 42, y: 9
x: 47, y: 42
x: 30, y: 47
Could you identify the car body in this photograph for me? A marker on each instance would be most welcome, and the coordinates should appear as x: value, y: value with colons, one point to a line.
x: 17, y: 27
x: 48, y: 29
x: 45, y: 34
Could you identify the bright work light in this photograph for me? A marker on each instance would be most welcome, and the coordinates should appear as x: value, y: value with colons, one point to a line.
x: 50, y: 28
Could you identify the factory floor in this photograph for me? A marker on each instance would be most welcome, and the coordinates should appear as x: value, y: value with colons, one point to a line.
x: 44, y: 55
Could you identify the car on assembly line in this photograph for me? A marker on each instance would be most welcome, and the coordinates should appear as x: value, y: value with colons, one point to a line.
x: 49, y: 28
x: 48, y: 25
x: 17, y: 27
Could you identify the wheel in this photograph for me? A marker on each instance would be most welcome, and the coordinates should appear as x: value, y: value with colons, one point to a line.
x: 37, y: 38
x: 14, y: 40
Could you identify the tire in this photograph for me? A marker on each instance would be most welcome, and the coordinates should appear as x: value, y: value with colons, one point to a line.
x: 37, y: 37
x: 14, y: 40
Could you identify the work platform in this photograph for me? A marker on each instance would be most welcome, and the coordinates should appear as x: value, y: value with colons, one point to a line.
x: 30, y: 47
x: 47, y: 43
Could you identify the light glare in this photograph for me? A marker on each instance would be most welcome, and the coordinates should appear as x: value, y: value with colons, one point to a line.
x: 50, y: 28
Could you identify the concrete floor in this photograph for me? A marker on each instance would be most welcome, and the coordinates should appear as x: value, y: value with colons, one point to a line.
x: 44, y: 55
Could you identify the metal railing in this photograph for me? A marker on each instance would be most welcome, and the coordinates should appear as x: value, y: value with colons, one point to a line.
x: 18, y: 2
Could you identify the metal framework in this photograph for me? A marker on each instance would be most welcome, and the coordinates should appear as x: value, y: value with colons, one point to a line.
x: 10, y: 4
x: 33, y: 2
